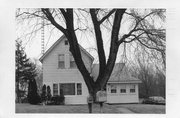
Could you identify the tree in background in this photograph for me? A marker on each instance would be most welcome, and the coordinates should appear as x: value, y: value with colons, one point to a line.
x: 21, y: 64
x: 33, y: 97
x: 25, y: 71
x: 150, y: 73
x: 39, y: 77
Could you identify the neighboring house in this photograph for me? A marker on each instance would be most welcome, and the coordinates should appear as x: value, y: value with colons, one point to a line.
x: 60, y: 72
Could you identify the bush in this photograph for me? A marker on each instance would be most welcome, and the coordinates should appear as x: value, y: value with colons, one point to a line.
x: 44, y: 95
x: 48, y: 93
x: 57, y: 100
x: 33, y: 97
x: 24, y: 100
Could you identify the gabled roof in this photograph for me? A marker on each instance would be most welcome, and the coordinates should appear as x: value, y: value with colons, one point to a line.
x: 56, y: 43
x: 119, y: 74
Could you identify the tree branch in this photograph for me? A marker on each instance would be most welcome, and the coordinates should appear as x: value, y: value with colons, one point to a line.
x: 52, y: 20
x: 113, y: 48
x: 135, y: 37
x: 153, y: 48
x: 63, y: 12
x: 99, y: 40
x: 75, y: 50
x: 107, y: 16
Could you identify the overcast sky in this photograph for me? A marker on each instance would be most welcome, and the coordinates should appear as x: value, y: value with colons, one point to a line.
x: 87, y: 40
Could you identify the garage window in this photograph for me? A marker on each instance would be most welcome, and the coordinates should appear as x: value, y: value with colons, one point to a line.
x: 113, y: 89
x: 123, y: 89
x: 132, y: 89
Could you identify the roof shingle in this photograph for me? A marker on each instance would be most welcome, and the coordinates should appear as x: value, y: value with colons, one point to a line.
x: 119, y: 74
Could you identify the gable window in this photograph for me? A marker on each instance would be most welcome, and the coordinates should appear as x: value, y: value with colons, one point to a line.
x: 67, y: 88
x: 123, y: 89
x: 61, y: 63
x: 113, y: 89
x: 55, y: 89
x: 132, y: 89
x: 79, y: 89
x: 66, y: 42
x: 72, y: 62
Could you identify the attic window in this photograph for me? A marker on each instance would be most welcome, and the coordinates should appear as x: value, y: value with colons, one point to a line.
x: 66, y: 42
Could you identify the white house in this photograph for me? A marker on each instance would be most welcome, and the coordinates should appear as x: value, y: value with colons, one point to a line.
x: 60, y: 72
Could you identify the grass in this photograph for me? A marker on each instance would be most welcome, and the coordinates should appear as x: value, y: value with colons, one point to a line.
x: 121, y: 108
x: 145, y: 108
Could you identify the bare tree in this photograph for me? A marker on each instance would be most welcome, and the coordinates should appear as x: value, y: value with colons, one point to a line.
x: 68, y: 21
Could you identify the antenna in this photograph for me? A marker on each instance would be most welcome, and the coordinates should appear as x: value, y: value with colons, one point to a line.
x: 42, y: 35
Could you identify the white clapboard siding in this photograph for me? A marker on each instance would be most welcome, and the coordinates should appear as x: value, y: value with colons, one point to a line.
x: 52, y: 74
x: 123, y: 97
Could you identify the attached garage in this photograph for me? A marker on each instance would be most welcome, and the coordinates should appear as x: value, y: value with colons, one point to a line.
x: 121, y: 87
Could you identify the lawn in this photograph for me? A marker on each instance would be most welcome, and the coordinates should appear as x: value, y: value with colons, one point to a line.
x: 120, y: 108
x: 144, y: 108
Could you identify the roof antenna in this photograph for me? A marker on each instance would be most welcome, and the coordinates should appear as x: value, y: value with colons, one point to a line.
x: 42, y: 34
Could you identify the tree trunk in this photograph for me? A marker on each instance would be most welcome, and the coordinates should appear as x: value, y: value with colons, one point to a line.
x: 90, y: 107
x: 17, y: 92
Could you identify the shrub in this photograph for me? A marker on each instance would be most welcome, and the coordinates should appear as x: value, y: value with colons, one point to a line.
x: 49, y: 93
x: 44, y: 95
x: 57, y: 100
x: 33, y: 97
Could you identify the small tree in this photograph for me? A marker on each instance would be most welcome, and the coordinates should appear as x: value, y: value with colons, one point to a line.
x: 21, y: 61
x: 25, y: 70
x: 33, y: 97
x: 44, y: 95
x: 48, y: 93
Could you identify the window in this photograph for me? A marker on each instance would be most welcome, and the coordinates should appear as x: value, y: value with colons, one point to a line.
x: 113, y: 89
x: 55, y: 89
x: 123, y: 89
x: 132, y: 89
x: 67, y: 88
x: 61, y: 61
x: 66, y: 42
x: 72, y: 62
x: 79, y: 89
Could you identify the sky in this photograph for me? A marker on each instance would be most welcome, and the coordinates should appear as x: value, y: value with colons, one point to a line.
x: 86, y: 39
x: 32, y: 42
